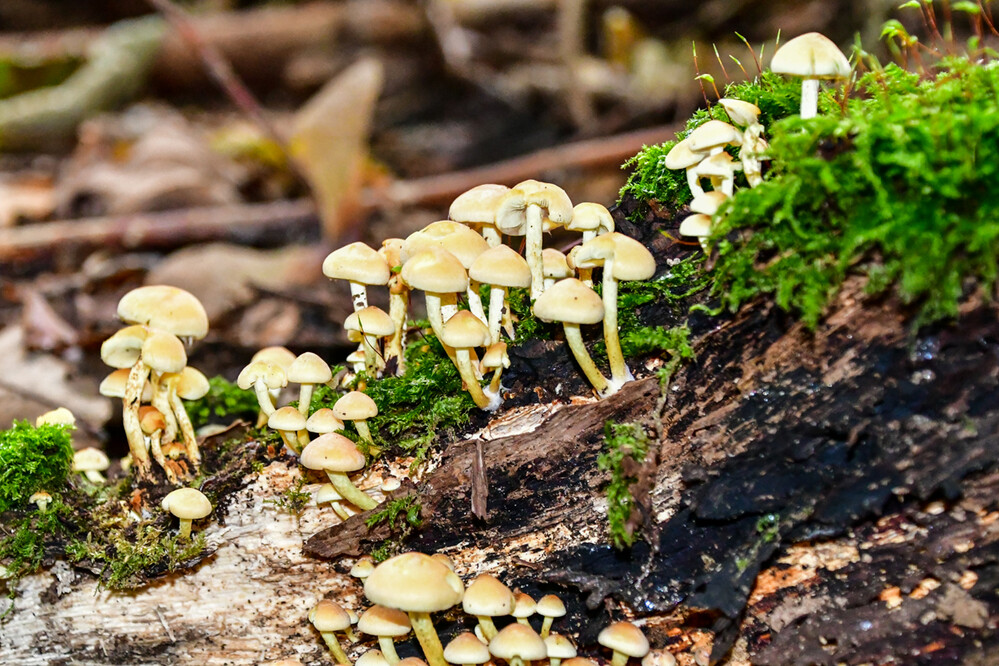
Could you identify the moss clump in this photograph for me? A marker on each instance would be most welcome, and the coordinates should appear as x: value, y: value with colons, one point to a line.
x: 293, y: 500
x: 23, y: 546
x: 404, y: 509
x: 625, y: 448
x: 32, y: 459
x: 898, y: 188
x: 223, y: 402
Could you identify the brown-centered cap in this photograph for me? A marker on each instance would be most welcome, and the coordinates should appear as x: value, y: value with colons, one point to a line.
x: 272, y: 376
x: 287, y: 418
x: 465, y: 648
x: 165, y: 308
x: 309, y: 368
x: 524, y: 605
x: 187, y: 504
x: 579, y: 661
x: 415, y: 583
x: 164, y: 352
x: 123, y: 348
x: 384, y: 621
x: 279, y: 356
x: 708, y: 202
x: 487, y: 595
x: 502, y: 267
x: 518, y: 640
x: 511, y: 216
x: 355, y: 406
x: 464, y: 330
x: 358, y: 263
x: 590, y: 216
x: 328, y: 616
x: 436, y: 271
x: 626, y: 638
x: 812, y: 56
x: 741, y: 113
x: 455, y: 237
x: 714, y: 134
x: 371, y: 320
x: 698, y: 225
x: 58, y: 416
x: 322, y: 421
x: 151, y: 419
x: 554, y: 264
x: 551, y: 606
x: 478, y: 205
x: 90, y: 460
x: 559, y: 647
x: 569, y: 301
x: 332, y: 453
x: 681, y: 156
x: 192, y: 384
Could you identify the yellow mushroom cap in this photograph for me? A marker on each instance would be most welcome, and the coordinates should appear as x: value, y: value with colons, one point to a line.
x: 58, y: 416
x: 632, y: 260
x: 123, y: 348
x: 511, y: 216
x: 415, y: 583
x: 354, y: 406
x: 286, y: 418
x: 812, y: 56
x: 436, y: 271
x: 551, y: 606
x: 570, y: 301
x: 333, y: 453
x: 698, y: 225
x: 495, y: 357
x: 742, y: 113
x: 554, y: 264
x: 279, y: 356
x: 192, y: 384
x: 164, y: 352
x: 478, y: 205
x: 559, y: 647
x: 590, y: 216
x: 358, y: 263
x: 579, y: 661
x: 524, y: 605
x: 372, y: 658
x: 722, y: 165
x: 464, y: 330
x: 658, y: 658
x: 411, y: 661
x: 626, y: 638
x: 456, y: 238
x: 328, y: 616
x: 165, y: 308
x: 113, y: 386
x: 272, y: 376
x: 363, y: 567
x: 309, y: 368
x: 90, y: 460
x: 40, y: 496
x: 713, y: 134
x: 465, y: 648
x: 594, y: 252
x: 502, y: 267
x: 187, y: 504
x: 487, y: 595
x: 371, y: 320
x: 518, y: 640
x: 322, y: 421
x: 681, y: 156
x: 443, y: 559
x: 708, y: 203
x: 383, y: 621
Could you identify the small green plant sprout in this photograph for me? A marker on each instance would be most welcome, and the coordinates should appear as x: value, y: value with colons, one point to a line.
x: 328, y: 618
x: 812, y: 57
x: 91, y: 462
x: 293, y: 499
x: 188, y: 505
x: 625, y: 640
x: 625, y: 448
x: 224, y: 400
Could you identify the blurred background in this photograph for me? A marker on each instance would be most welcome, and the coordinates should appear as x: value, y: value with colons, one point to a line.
x: 225, y: 146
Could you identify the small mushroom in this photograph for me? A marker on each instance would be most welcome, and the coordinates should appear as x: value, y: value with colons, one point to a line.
x: 550, y: 607
x: 440, y: 275
x: 328, y: 618
x: 91, y: 462
x: 592, y: 219
x: 681, y: 156
x: 358, y: 407
x: 308, y: 370
x: 327, y: 493
x: 487, y: 597
x: 59, y: 416
x: 555, y: 266
x: 518, y: 644
x: 812, y: 57
x: 502, y: 269
x: 477, y: 207
x: 262, y: 377
x: 463, y: 332
x: 572, y: 303
x: 559, y: 647
x: 467, y: 650
x: 372, y: 658
x: 187, y: 505
x: 495, y: 359
x: 363, y: 567
x: 322, y: 421
x: 699, y: 226
x: 360, y: 266
x: 288, y: 421
x: 387, y: 624
x: 625, y: 640
x: 373, y: 323
x: 41, y: 499
x: 336, y: 455
x: 398, y: 303
x: 523, y: 607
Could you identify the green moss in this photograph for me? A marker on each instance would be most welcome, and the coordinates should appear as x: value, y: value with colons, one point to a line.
x: 293, y: 500
x: 404, y: 509
x: 32, y: 459
x: 223, y: 402
x: 24, y: 540
x: 625, y: 448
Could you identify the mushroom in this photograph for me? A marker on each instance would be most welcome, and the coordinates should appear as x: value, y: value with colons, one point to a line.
x: 464, y: 332
x: 91, y: 462
x: 467, y: 650
x: 322, y: 421
x: 419, y: 585
x: 282, y: 357
x: 559, y: 647
x: 188, y: 505
x: 152, y: 423
x: 336, y: 455
x: 708, y: 203
x: 573, y: 303
x: 681, y: 156
x: 485, y: 598
x: 360, y: 266
x: 720, y: 168
x: 579, y: 661
x: 41, y: 499
x: 387, y: 624
x: 623, y: 258
x: 327, y: 493
x: 813, y: 57
x: 288, y: 421
x: 308, y: 370
x: 527, y: 204
x: 699, y: 226
x: 59, y: 416
x: 747, y: 116
x: 550, y: 607
x: 478, y: 206
x: 328, y: 618
x: 495, y: 359
x: 626, y: 640
x: 592, y: 219
x: 363, y: 567
x: 655, y: 658
x: 188, y: 384
x: 523, y: 607
x: 502, y: 269
x: 263, y: 377
x: 373, y: 323
x: 518, y: 644
x: 398, y: 303
x: 357, y: 407
x: 440, y: 275
x: 555, y: 266
x: 372, y: 658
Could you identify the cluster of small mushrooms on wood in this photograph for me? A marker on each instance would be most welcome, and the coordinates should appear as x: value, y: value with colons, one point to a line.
x: 407, y: 588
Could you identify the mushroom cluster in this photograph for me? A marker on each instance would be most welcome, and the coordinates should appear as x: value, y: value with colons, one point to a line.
x: 151, y: 367
x: 408, y: 588
x: 455, y: 260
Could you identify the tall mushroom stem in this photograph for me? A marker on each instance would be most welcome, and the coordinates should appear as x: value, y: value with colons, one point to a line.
x: 398, y: 311
x: 487, y: 627
x: 535, y: 226
x: 186, y: 428
x: 497, y: 306
x: 358, y: 295
x: 161, y: 401
x: 350, y: 492
x: 334, y: 645
x: 464, y: 363
x: 427, y: 636
x: 130, y: 417
x: 370, y: 345
x: 157, y: 451
x: 620, y: 374
x: 575, y: 340
x: 263, y: 397
x: 809, y: 98
x: 436, y: 314
x: 475, y: 301
x: 387, y: 644
x: 492, y: 235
